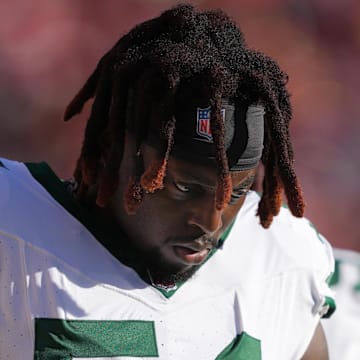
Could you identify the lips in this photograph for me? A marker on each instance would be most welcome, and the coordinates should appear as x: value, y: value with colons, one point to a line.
x: 190, y: 256
x: 194, y: 252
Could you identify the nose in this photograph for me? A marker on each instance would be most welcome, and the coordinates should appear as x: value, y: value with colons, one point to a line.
x: 205, y: 216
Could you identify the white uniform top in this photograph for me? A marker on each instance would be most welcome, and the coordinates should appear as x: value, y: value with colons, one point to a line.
x: 343, y: 328
x: 64, y: 296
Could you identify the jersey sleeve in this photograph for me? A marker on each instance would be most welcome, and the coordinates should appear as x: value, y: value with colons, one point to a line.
x: 313, y: 298
x: 326, y: 305
x: 318, y: 257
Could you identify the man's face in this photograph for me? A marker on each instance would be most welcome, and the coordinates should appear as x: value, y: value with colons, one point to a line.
x: 175, y: 228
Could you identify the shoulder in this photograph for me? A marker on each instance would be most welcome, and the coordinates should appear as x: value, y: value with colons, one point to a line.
x: 16, y: 184
x: 41, y: 220
x: 289, y: 244
x: 27, y: 209
x: 278, y: 276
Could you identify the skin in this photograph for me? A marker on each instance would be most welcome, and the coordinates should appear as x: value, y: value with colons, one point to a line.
x: 171, y: 226
x: 317, y: 349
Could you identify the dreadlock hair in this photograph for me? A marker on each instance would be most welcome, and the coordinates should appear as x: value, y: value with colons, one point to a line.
x: 147, y: 68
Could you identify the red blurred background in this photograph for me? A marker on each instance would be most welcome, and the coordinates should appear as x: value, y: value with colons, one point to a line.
x: 48, y: 49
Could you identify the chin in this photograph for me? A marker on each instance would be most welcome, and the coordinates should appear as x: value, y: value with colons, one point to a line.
x: 170, y: 276
x: 164, y: 271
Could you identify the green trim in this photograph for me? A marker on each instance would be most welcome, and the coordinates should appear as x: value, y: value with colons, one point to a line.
x: 243, y: 347
x: 328, y: 308
x: 168, y: 293
x: 317, y: 233
x: 68, y: 339
x: 225, y: 234
x: 356, y: 287
x: 334, y: 277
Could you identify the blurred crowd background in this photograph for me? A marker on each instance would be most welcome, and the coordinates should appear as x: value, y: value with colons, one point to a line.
x: 48, y: 49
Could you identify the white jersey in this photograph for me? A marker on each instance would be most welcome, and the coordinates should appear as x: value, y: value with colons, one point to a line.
x: 64, y: 296
x: 343, y: 328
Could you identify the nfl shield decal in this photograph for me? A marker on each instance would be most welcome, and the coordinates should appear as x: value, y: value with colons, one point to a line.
x: 203, y: 129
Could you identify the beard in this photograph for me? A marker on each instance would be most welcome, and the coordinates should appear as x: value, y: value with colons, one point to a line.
x: 162, y: 273
x: 151, y: 265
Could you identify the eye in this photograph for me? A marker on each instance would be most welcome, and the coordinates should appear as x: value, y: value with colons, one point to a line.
x: 181, y: 187
x: 238, y: 194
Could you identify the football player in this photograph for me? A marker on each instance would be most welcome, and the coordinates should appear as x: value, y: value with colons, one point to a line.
x: 158, y: 247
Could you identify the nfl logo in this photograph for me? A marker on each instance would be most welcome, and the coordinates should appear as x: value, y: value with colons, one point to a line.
x: 203, y: 123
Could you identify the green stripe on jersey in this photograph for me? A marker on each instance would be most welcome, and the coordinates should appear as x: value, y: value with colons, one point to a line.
x: 68, y: 339
x: 328, y: 307
x: 243, y: 347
